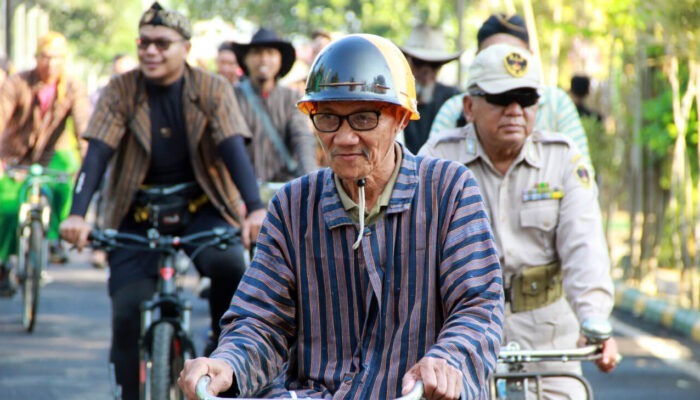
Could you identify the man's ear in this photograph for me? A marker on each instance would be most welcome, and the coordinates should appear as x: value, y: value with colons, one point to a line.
x: 467, y: 105
x: 405, y: 119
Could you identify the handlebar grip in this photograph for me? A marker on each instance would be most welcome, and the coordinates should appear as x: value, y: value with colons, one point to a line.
x: 415, y: 394
x: 202, y: 389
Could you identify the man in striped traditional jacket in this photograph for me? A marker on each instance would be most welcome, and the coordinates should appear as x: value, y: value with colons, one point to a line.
x: 177, y: 128
x: 372, y: 274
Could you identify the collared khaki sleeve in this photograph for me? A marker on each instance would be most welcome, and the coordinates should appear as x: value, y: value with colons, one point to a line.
x: 580, y: 242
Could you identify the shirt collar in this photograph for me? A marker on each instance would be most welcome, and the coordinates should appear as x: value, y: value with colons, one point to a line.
x: 401, y: 195
x: 474, y: 150
x: 384, y: 197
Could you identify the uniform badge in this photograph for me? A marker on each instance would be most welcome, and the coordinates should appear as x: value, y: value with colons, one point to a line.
x: 543, y: 191
x: 516, y: 64
x: 583, y: 175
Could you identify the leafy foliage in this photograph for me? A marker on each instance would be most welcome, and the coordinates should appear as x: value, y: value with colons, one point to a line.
x: 96, y: 30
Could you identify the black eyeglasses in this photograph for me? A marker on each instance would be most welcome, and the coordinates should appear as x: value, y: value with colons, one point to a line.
x: 524, y: 97
x: 161, y: 44
x: 359, y: 121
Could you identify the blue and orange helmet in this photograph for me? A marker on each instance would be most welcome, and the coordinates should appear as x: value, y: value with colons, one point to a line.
x: 361, y: 67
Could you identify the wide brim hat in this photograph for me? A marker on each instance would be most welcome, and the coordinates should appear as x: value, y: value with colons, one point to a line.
x: 267, y: 38
x: 503, y: 67
x: 429, y: 45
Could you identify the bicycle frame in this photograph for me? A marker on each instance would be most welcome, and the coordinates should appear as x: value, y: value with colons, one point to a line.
x: 165, y: 341
x: 169, y: 308
x: 511, y: 381
x: 33, y: 223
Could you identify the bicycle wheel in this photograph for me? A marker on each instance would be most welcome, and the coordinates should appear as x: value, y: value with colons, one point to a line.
x: 168, y: 358
x: 34, y: 257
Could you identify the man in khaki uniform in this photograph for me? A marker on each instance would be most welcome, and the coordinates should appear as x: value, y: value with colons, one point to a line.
x: 542, y: 202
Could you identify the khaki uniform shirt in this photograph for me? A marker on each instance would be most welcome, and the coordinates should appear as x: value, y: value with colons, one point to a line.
x: 26, y: 136
x: 122, y: 121
x: 544, y: 209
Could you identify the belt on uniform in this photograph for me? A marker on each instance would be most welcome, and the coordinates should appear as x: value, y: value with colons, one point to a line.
x: 534, y: 287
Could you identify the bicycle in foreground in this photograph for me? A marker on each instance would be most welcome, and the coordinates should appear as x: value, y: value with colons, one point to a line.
x: 512, y: 380
x: 166, y: 341
x: 33, y: 224
x: 203, y: 391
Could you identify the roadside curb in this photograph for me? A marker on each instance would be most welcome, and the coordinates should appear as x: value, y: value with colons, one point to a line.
x: 680, y: 320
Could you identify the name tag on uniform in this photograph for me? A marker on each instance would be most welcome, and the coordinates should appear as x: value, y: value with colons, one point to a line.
x: 542, y: 191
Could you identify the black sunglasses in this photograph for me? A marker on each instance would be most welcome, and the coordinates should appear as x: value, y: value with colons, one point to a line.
x: 524, y: 97
x: 359, y: 121
x: 162, y: 44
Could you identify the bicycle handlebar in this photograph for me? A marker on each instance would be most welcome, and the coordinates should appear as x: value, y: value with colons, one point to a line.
x: 111, y: 238
x: 203, y: 392
x: 36, y: 171
x: 512, y: 355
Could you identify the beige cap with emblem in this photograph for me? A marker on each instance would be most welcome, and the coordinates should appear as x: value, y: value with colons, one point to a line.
x: 502, y: 67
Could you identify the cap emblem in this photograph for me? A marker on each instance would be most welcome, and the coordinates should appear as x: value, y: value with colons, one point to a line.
x: 515, y: 64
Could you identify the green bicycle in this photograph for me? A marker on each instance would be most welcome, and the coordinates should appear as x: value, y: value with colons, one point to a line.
x: 33, y: 223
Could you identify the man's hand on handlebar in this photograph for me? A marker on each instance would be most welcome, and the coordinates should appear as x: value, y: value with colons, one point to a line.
x: 610, y: 356
x: 251, y: 227
x: 75, y: 230
x: 220, y: 372
x: 440, y: 379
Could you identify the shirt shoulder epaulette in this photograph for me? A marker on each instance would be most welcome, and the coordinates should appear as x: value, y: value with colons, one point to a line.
x: 551, y: 138
x: 450, y: 136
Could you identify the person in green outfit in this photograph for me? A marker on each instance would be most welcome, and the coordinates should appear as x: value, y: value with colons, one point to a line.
x: 43, y: 112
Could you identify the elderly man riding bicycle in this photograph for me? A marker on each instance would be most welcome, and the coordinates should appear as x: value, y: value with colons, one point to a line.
x: 369, y: 275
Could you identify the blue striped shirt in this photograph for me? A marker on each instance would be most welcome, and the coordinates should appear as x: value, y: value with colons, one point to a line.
x: 314, y: 316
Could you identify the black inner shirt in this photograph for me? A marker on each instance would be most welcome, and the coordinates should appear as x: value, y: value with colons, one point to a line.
x: 170, y: 157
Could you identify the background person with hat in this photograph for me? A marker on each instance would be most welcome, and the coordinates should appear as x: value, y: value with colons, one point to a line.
x: 543, y: 208
x: 282, y: 146
x: 373, y: 273
x: 165, y: 125
x: 426, y: 52
x: 556, y: 111
x: 35, y: 108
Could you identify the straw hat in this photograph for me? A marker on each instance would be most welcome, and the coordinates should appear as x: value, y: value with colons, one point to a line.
x: 428, y: 44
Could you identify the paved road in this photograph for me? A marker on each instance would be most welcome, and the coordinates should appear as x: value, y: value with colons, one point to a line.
x: 67, y: 355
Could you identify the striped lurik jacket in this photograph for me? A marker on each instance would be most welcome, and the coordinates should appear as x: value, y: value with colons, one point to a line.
x: 27, y: 137
x: 122, y: 121
x: 314, y: 316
